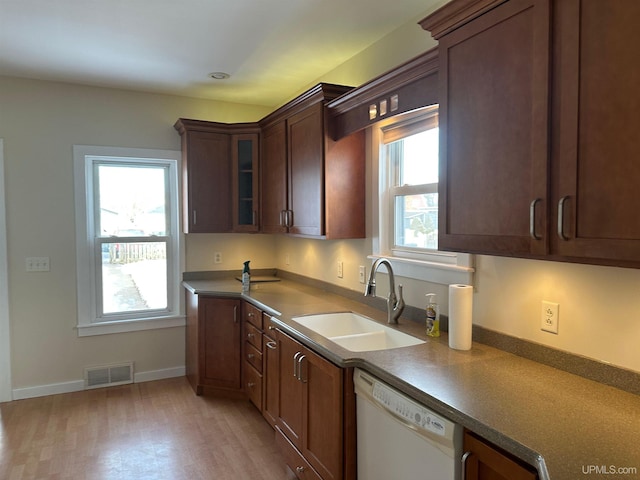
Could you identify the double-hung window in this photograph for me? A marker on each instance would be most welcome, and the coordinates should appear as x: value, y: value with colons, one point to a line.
x: 128, y: 239
x: 405, y: 186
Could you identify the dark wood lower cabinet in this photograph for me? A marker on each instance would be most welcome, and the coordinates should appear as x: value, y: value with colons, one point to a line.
x: 213, y: 346
x: 486, y: 462
x: 311, y: 410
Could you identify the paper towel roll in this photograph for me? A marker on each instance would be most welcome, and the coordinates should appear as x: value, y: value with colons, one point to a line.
x: 460, y: 316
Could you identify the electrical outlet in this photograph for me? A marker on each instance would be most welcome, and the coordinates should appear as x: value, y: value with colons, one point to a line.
x: 37, y: 264
x: 340, y: 272
x: 549, y: 317
x: 362, y: 273
x: 217, y: 257
x: 286, y: 259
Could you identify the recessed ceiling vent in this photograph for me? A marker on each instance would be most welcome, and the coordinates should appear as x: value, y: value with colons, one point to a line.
x: 108, y: 375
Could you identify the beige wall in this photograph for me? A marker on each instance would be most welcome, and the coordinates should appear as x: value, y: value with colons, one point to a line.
x: 40, y: 121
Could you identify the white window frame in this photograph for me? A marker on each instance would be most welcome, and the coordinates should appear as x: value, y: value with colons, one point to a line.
x: 88, y: 272
x: 433, y: 266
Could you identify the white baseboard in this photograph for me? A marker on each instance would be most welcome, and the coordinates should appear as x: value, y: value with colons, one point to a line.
x: 159, y: 374
x: 78, y: 385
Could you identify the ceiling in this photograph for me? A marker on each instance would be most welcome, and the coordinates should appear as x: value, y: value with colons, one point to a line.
x: 270, y: 48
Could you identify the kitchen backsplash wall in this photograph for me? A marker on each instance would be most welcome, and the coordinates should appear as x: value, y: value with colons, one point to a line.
x: 599, y: 314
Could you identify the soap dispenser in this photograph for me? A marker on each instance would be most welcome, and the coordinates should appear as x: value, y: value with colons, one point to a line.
x: 246, y: 277
x: 433, y: 316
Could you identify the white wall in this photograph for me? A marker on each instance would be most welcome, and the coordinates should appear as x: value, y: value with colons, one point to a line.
x: 40, y: 122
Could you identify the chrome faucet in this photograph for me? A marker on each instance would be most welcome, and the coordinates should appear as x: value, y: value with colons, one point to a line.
x: 395, y: 305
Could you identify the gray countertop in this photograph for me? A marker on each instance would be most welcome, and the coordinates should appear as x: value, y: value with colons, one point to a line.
x: 566, y: 426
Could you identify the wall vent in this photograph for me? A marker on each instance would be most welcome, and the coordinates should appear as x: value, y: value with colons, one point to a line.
x: 108, y: 375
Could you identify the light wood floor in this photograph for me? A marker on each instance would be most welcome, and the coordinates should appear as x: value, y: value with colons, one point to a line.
x: 156, y: 430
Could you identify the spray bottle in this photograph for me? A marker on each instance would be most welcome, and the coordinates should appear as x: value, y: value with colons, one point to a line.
x: 246, y: 277
x: 433, y: 316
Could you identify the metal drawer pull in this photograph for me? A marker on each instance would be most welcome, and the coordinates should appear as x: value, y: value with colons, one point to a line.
x: 561, y: 218
x: 251, y: 385
x: 302, y: 357
x: 532, y: 219
x: 250, y: 355
x: 250, y: 314
x: 271, y: 327
x: 300, y: 469
x: 271, y: 345
x: 295, y: 365
x: 250, y: 336
x: 235, y: 314
x: 463, y: 470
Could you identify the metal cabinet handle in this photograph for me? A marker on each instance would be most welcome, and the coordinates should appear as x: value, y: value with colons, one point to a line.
x: 235, y: 314
x: 250, y: 314
x: 300, y: 359
x: 463, y: 470
x: 253, y: 217
x: 290, y: 218
x: 271, y: 327
x: 295, y: 365
x: 195, y: 217
x: 251, y: 385
x: 250, y: 336
x: 282, y: 221
x: 271, y: 345
x: 300, y: 469
x: 561, y: 218
x: 250, y: 355
x: 532, y: 219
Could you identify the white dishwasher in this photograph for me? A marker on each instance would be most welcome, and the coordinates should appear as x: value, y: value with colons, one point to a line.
x: 400, y: 439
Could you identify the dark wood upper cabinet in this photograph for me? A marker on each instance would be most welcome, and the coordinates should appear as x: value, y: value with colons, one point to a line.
x: 245, y: 181
x: 311, y: 185
x: 219, y: 176
x: 273, y: 176
x: 595, y: 153
x: 206, y: 177
x: 493, y: 131
x: 538, y: 109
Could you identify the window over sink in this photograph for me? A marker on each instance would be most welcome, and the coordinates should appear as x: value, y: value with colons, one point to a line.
x: 128, y: 239
x: 405, y: 199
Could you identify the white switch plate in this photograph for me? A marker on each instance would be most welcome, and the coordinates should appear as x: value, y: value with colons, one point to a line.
x: 37, y: 264
x: 362, y: 273
x: 549, y: 317
x: 340, y: 271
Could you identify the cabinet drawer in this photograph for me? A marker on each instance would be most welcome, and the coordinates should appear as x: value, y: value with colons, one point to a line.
x: 253, y: 385
x: 253, y: 336
x: 269, y: 326
x: 253, y: 356
x: 294, y: 460
x: 253, y: 315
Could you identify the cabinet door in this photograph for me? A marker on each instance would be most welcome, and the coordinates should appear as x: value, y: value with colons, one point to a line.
x: 207, y: 181
x: 596, y: 105
x: 220, y: 347
x: 270, y: 374
x: 306, y: 171
x: 290, y: 388
x: 244, y: 154
x: 494, y: 120
x: 322, y: 432
x: 484, y: 462
x: 273, y: 178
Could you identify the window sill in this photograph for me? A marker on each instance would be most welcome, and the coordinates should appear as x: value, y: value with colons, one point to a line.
x: 441, y: 273
x: 124, y: 326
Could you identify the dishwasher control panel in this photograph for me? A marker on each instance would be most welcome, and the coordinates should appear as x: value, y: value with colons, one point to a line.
x: 410, y: 411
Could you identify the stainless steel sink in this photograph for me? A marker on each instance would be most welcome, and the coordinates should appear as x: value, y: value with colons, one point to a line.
x: 356, y: 332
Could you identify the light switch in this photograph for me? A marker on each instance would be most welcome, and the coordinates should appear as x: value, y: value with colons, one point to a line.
x: 37, y: 264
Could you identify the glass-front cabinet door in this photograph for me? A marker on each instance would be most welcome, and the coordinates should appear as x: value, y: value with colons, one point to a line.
x: 245, y: 182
